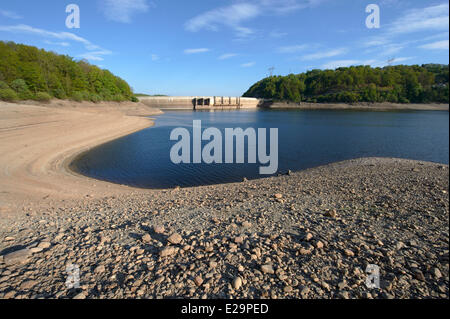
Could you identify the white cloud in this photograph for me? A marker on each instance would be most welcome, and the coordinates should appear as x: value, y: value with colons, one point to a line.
x: 287, y: 6
x: 292, y: 48
x: 374, y: 63
x: 339, y: 64
x: 277, y: 34
x: 231, y: 16
x: 324, y: 54
x: 95, y: 53
x: 10, y: 14
x: 401, y: 59
x: 22, y: 28
x: 423, y: 19
x: 439, y: 45
x: 124, y: 10
x: 195, y: 51
x: 248, y: 65
x: 63, y: 44
x: 227, y: 56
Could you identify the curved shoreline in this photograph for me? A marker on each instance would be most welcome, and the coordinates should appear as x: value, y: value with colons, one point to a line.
x: 38, y: 143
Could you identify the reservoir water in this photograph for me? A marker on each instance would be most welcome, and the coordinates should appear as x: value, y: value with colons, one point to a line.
x: 306, y: 139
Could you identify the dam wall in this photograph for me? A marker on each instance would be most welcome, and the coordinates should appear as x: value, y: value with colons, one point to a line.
x: 200, y: 102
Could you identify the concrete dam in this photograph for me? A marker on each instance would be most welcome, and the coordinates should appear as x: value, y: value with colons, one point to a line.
x: 200, y: 102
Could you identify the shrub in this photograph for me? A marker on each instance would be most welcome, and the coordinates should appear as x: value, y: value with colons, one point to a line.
x: 42, y: 97
x: 77, y: 96
x: 8, y: 95
x: 59, y: 94
x: 95, y: 98
x: 134, y: 99
x: 3, y: 85
x: 118, y: 98
x: 21, y: 88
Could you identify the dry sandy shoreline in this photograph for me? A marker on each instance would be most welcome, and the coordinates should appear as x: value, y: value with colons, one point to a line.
x: 38, y: 141
x: 306, y: 235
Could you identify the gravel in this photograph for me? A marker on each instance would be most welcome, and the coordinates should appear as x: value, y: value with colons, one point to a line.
x: 310, y: 234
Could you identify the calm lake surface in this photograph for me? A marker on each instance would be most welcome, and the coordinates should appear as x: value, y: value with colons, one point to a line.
x: 306, y: 139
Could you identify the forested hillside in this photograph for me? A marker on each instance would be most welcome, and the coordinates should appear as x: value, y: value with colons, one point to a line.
x: 27, y: 72
x: 396, y: 84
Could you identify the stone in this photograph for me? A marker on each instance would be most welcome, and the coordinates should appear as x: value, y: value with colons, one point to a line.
x: 36, y: 250
x: 287, y: 289
x: 246, y: 224
x: 146, y: 238
x: 198, y: 281
x: 17, y: 257
x: 237, y: 283
x: 304, y: 251
x: 168, y: 251
x: 44, y: 244
x: 319, y: 245
x: 267, y: 269
x: 99, y: 269
x: 304, y: 292
x: 308, y: 236
x: 278, y: 196
x: 26, y: 285
x: 80, y: 296
x: 175, y: 238
x: 159, y: 229
x: 437, y: 273
x: 9, y: 239
x: 331, y: 213
x: 419, y: 275
x: 349, y: 253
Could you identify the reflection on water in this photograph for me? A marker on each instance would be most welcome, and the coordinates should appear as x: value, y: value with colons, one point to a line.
x: 306, y: 139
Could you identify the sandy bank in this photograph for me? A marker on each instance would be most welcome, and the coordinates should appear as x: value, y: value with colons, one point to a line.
x: 359, y: 106
x: 37, y: 141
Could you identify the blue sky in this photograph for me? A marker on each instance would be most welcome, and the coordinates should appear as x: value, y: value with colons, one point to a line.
x: 221, y: 47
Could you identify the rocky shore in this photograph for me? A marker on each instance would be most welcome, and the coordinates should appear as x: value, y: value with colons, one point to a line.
x: 310, y: 234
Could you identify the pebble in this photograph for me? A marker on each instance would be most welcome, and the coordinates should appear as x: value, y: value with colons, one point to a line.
x: 146, y: 238
x: 349, y: 253
x: 319, y: 244
x: 331, y: 213
x: 198, y: 281
x: 237, y: 283
x: 175, y: 239
x: 17, y: 257
x: 437, y: 273
x: 168, y: 251
x: 99, y: 269
x: 267, y: 269
x: 44, y: 244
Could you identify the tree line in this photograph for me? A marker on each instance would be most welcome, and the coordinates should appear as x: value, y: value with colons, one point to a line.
x: 396, y: 84
x: 27, y: 72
